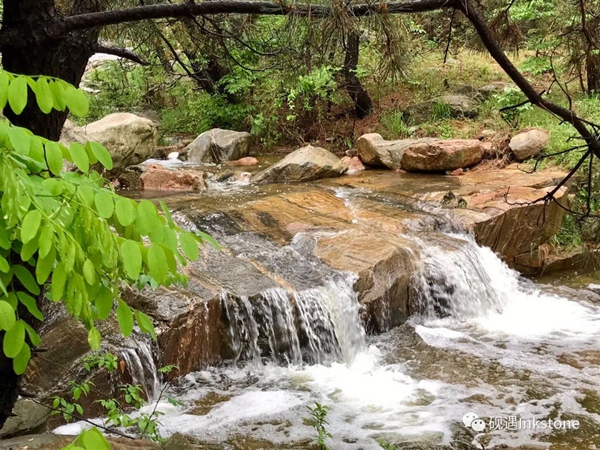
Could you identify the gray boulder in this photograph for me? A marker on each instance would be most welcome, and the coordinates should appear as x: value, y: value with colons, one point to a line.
x: 305, y: 164
x: 445, y: 106
x: 217, y: 145
x: 130, y: 139
x: 529, y: 143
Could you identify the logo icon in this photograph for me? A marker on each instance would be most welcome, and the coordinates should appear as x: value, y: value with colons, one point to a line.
x: 472, y: 420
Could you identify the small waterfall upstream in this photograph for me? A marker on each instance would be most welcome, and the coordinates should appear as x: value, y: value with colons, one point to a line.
x: 458, y: 278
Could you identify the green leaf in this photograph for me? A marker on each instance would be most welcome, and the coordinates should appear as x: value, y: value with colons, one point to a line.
x: 145, y: 323
x: 102, y: 154
x: 167, y: 214
x: 132, y: 258
x: 105, y: 204
x: 19, y: 139
x: 59, y: 279
x: 7, y: 316
x: 17, y: 95
x: 33, y: 336
x: 21, y: 360
x: 44, y: 266
x: 89, y: 272
x: 201, y: 237
x: 54, y: 157
x: 79, y: 156
x: 30, y: 226
x: 125, y: 318
x: 26, y: 279
x: 46, y: 240
x: 30, y: 304
x: 77, y: 102
x: 157, y: 263
x: 4, y: 83
x: 148, y: 215
x: 125, y: 211
x: 4, y: 266
x: 92, y: 439
x: 14, y: 339
x: 43, y: 95
x: 189, y: 245
x: 94, y: 339
x: 58, y: 93
x: 104, y: 302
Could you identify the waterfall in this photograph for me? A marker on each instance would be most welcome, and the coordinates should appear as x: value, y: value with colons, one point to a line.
x: 141, y: 367
x: 315, y: 325
x: 460, y: 279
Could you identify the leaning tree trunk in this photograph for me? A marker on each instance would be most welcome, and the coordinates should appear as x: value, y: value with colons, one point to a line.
x: 360, y: 97
x: 593, y: 73
x: 28, y: 47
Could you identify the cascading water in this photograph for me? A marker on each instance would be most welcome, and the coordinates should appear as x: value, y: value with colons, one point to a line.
x: 460, y: 279
x: 314, y: 325
x: 140, y: 364
x: 484, y: 342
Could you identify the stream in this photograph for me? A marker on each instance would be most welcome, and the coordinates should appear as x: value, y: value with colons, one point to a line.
x: 486, y: 342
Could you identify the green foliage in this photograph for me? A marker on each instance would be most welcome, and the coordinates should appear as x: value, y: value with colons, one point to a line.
x: 512, y: 99
x: 441, y: 111
x: 91, y: 439
x: 318, y: 420
x: 62, y: 226
x: 394, y: 126
x: 385, y: 446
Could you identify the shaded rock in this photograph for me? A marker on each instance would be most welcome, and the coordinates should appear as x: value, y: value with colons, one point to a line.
x: 152, y: 115
x: 130, y: 178
x: 529, y: 143
x: 447, y: 106
x: 376, y: 151
x: 27, y: 417
x: 442, y: 155
x: 305, y: 164
x: 353, y: 164
x: 217, y: 145
x: 178, y: 442
x: 158, y: 178
x: 130, y: 139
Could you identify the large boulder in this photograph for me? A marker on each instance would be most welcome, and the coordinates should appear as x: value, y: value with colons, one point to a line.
x: 130, y: 139
x: 440, y: 155
x: 305, y: 164
x: 217, y: 146
x: 157, y: 178
x: 71, y: 132
x: 376, y: 151
x: 426, y: 154
x: 529, y: 143
x: 446, y: 106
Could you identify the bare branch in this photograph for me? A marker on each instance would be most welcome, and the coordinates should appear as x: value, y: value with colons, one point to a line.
x: 121, y: 53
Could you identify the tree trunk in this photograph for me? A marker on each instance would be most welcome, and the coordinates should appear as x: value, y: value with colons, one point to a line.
x: 29, y: 49
x: 593, y: 73
x: 358, y: 94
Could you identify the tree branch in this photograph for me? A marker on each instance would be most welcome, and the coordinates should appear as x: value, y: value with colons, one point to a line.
x: 121, y: 53
x: 189, y: 9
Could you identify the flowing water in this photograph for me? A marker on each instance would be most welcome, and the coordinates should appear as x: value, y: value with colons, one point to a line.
x: 485, y: 342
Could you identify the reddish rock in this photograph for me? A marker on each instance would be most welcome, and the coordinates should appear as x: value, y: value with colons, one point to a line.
x: 353, y: 163
x: 156, y: 178
x: 246, y: 161
x: 442, y: 155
